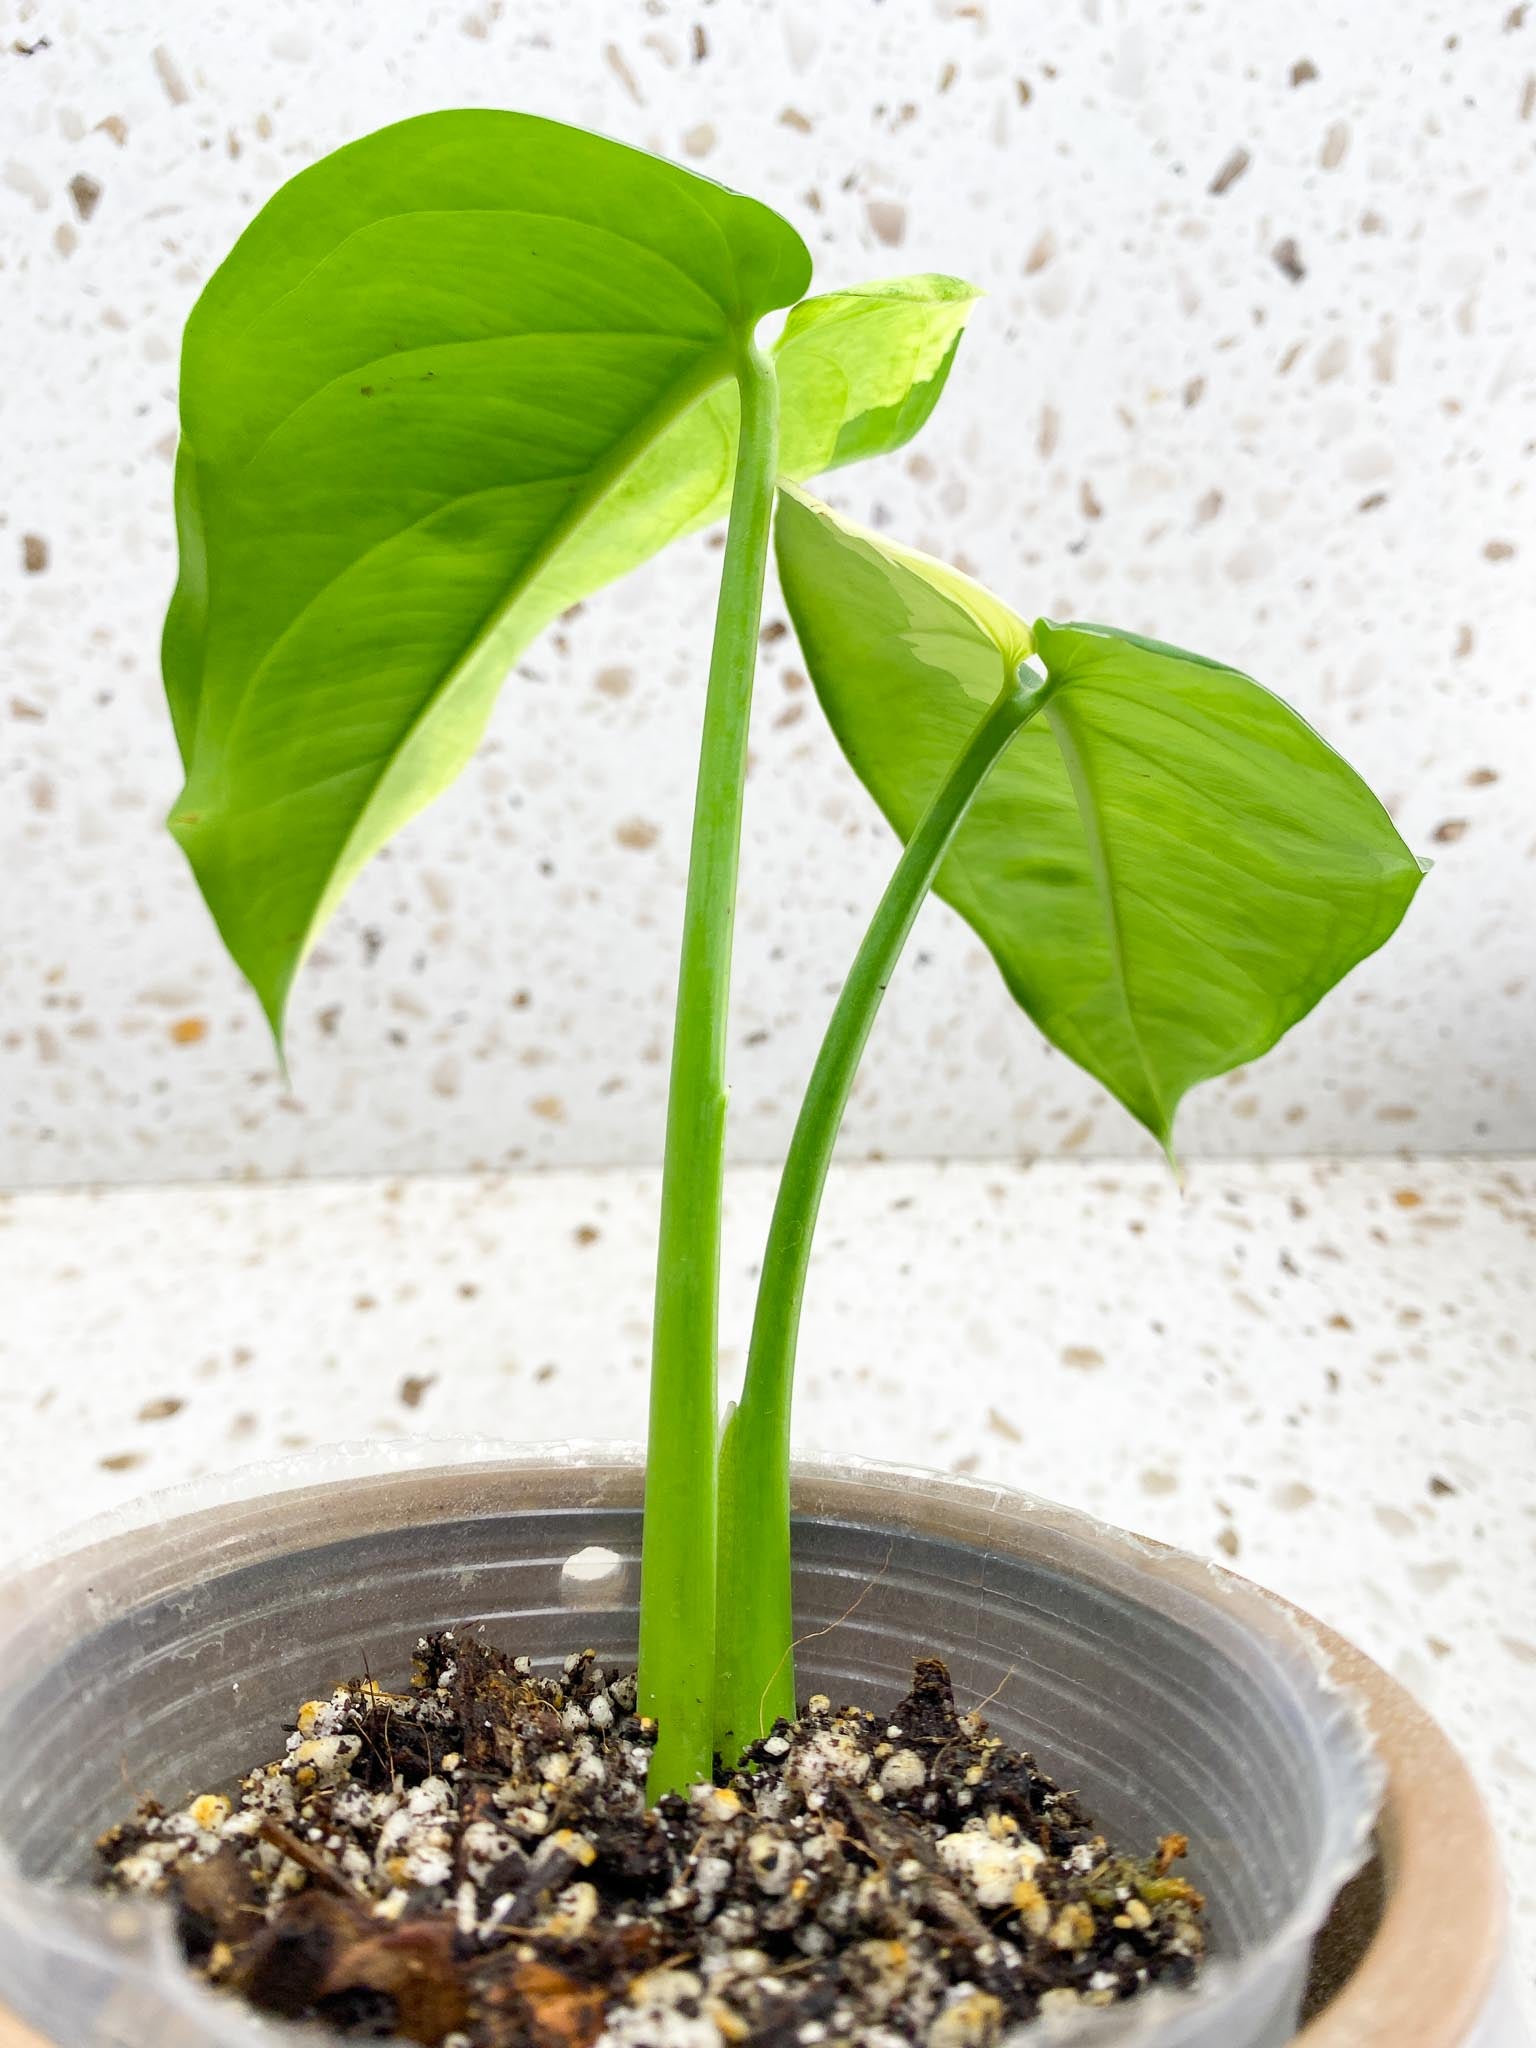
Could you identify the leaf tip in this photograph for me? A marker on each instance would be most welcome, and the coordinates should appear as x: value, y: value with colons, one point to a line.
x: 274, y: 1012
x: 958, y: 290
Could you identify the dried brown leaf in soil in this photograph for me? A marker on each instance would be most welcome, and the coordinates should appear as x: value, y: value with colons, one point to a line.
x: 535, y: 2005
x: 413, y: 1966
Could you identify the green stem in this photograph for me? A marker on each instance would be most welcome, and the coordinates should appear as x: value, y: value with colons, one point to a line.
x: 755, y: 1679
x: 677, y: 1595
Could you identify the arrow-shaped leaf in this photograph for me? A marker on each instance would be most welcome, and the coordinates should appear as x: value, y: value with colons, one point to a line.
x: 452, y: 378
x: 1169, y: 866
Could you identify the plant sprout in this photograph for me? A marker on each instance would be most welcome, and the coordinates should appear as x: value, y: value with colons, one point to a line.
x: 469, y: 369
x: 1168, y: 865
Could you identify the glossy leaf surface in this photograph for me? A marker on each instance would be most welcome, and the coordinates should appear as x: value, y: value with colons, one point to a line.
x: 452, y: 378
x: 1169, y: 866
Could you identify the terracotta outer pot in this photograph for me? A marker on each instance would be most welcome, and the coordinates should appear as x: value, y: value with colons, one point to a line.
x: 1414, y: 1952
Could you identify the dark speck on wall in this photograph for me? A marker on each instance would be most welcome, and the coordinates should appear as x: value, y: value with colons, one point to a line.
x: 162, y: 1409
x: 1230, y: 172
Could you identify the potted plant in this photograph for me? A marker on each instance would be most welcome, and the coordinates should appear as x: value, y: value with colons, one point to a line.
x: 452, y: 379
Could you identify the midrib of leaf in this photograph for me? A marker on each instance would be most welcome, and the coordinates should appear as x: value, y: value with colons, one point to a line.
x: 250, y: 682
x: 624, y: 455
x: 1056, y: 718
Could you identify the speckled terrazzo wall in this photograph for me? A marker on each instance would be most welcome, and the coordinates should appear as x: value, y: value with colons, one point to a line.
x: 1254, y: 373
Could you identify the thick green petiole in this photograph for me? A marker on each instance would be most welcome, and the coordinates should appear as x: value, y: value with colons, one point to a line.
x: 755, y: 1677
x: 677, y: 1594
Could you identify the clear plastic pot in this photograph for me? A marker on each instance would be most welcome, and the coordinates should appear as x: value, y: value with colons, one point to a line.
x: 163, y: 1649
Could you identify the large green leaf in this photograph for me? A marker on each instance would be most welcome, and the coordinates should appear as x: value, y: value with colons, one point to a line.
x: 1169, y: 866
x: 452, y: 378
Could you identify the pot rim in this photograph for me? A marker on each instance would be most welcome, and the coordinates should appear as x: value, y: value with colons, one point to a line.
x: 1432, y: 1963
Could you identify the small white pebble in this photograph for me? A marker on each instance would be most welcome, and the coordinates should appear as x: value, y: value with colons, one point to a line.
x: 484, y: 1846
x: 971, y: 2018
x: 775, y: 1863
x: 711, y: 1874
x: 565, y: 1842
x: 575, y: 1909
x: 429, y: 1864
x: 662, y: 1988
x: 146, y: 1868
x: 993, y: 1870
x: 904, y: 1772
x: 715, y: 1802
x: 431, y: 1796
x: 323, y: 1759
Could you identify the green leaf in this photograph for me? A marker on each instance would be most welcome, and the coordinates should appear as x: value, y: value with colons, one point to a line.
x: 861, y: 370
x: 1169, y: 866
x: 452, y: 378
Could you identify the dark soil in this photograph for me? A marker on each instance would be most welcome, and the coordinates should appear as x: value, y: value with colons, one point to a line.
x: 472, y: 1865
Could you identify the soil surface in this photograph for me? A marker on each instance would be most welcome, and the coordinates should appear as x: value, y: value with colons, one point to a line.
x: 472, y: 1864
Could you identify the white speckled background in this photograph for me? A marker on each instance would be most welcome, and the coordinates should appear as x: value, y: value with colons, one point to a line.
x: 1323, y: 477
x: 1321, y: 1370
